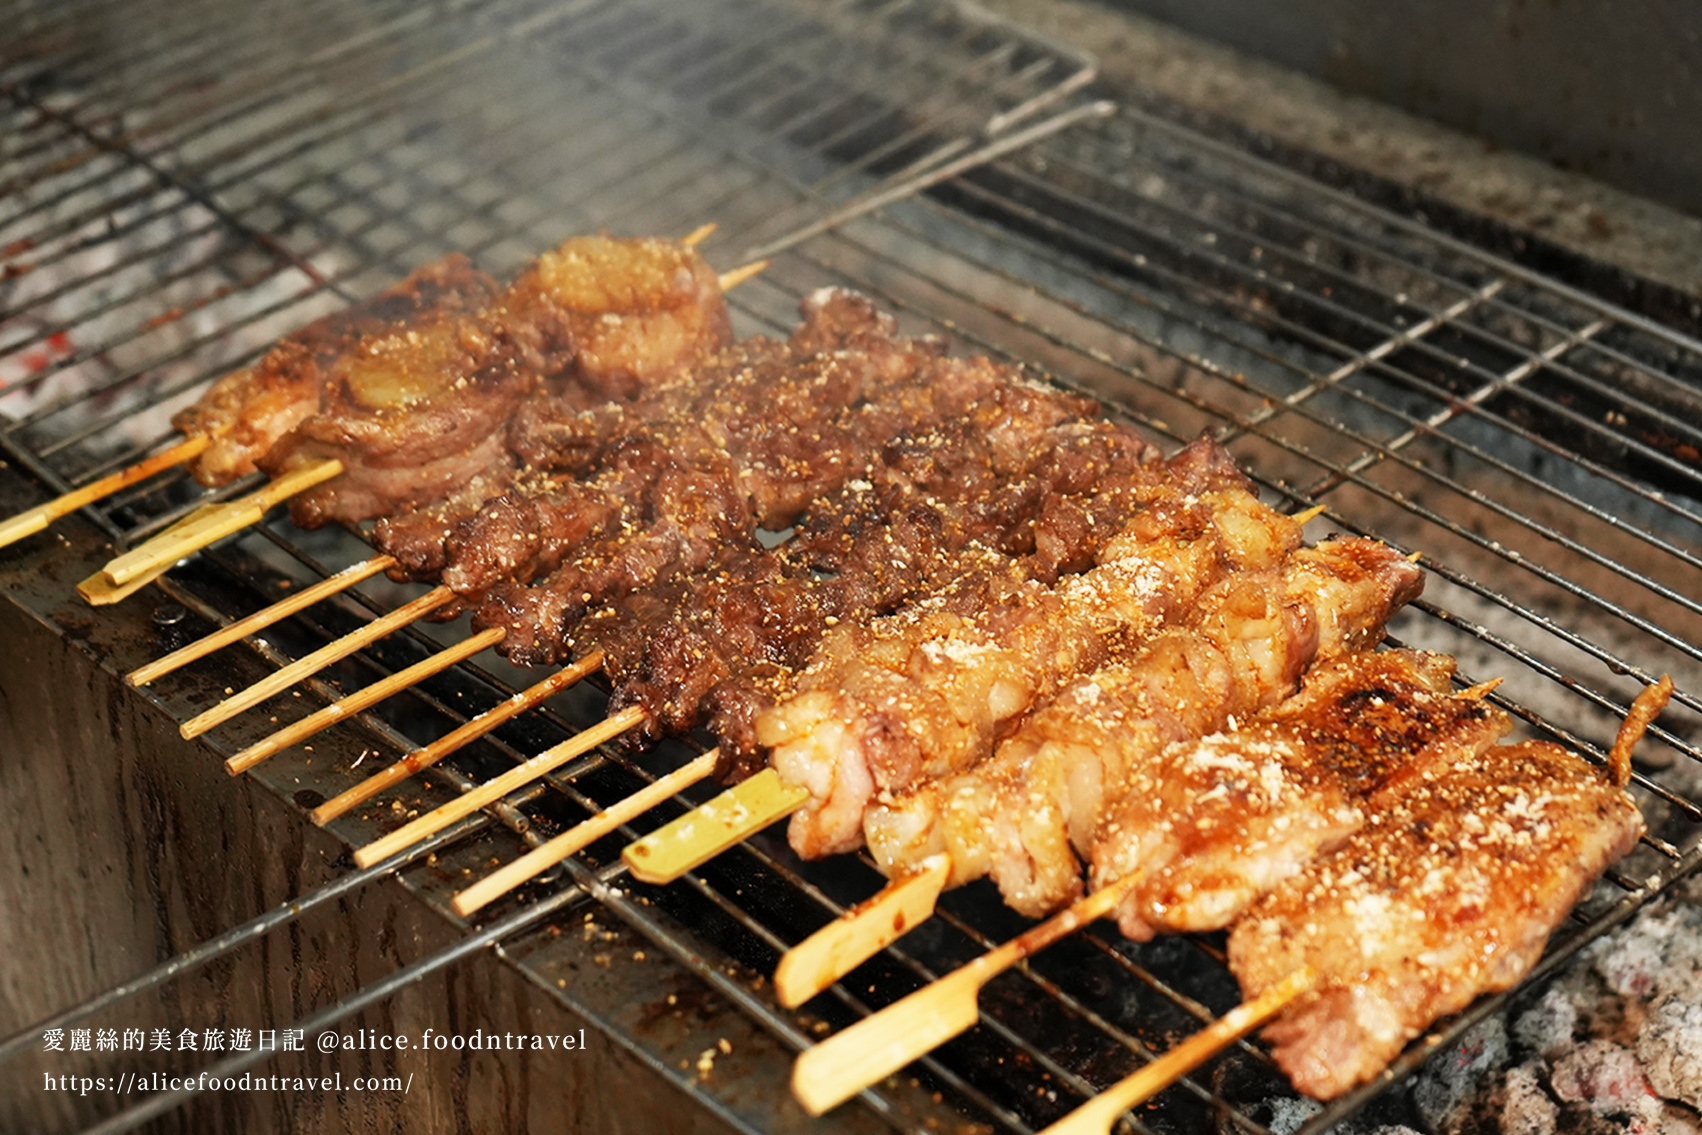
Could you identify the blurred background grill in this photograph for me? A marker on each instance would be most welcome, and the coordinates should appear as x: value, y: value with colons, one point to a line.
x: 184, y: 183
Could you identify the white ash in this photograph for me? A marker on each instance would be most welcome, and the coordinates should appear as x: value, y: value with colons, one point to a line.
x: 1455, y: 1074
x: 1606, y: 1078
x: 122, y: 295
x: 1526, y: 1108
x: 1612, y: 1044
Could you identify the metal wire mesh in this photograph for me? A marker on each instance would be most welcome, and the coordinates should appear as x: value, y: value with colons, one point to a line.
x: 180, y: 191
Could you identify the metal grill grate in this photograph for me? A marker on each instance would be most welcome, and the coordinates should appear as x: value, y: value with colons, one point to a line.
x: 179, y: 191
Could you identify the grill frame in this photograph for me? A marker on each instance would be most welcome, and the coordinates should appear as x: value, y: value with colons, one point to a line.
x: 955, y: 226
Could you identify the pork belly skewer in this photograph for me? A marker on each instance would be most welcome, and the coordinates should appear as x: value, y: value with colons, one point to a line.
x: 1239, y: 811
x: 410, y: 394
x: 1469, y: 870
x: 1254, y: 632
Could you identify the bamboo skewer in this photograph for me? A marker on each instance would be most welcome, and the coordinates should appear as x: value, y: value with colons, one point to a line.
x: 878, y: 1045
x: 169, y: 547
x: 463, y: 734
x: 712, y: 827
x: 260, y: 620
x: 841, y: 946
x: 313, y: 663
x: 33, y: 520
x: 99, y: 591
x: 581, y: 836
x: 1098, y: 1114
x: 328, y: 716
x: 499, y: 786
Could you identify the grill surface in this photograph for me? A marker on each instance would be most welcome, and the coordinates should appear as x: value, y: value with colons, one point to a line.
x: 176, y: 197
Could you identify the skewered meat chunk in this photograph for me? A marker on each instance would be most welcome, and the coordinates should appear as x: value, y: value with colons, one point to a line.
x: 1450, y: 891
x: 1020, y: 815
x: 924, y: 520
x: 604, y: 322
x: 1204, y: 828
x: 749, y: 450
x: 248, y: 411
x: 929, y: 691
x: 421, y: 409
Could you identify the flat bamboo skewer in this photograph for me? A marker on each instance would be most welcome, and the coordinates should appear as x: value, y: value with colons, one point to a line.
x: 712, y: 827
x: 843, y: 1065
x: 99, y: 591
x: 582, y: 835
x: 499, y: 786
x: 313, y: 663
x: 464, y: 734
x: 258, y: 621
x: 860, y: 933
x: 169, y: 547
x: 33, y: 520
x: 1098, y: 1114
x: 330, y: 715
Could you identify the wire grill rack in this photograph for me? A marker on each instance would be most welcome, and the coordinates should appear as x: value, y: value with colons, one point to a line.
x: 180, y: 189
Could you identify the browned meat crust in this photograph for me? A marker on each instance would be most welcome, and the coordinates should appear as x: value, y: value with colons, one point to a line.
x: 245, y: 413
x: 1020, y: 815
x: 1204, y: 828
x: 421, y: 409
x: 1451, y: 890
x: 929, y: 690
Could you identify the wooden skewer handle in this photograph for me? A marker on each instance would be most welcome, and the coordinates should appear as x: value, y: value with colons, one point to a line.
x: 847, y: 942
x: 882, y: 1043
x: 311, y: 664
x: 497, y: 787
x: 166, y: 549
x: 99, y: 591
x: 33, y: 520
x: 1098, y: 1114
x: 709, y: 829
x: 582, y: 835
x: 463, y: 734
x: 258, y: 621
x: 328, y: 716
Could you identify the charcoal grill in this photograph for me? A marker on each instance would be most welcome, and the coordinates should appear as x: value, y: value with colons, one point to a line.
x: 181, y: 188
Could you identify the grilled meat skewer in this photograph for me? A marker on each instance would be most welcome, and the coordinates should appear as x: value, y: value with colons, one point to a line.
x: 1020, y: 815
x: 1450, y: 891
x: 1204, y: 828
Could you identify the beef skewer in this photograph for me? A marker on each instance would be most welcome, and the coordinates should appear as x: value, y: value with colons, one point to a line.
x: 1253, y: 804
x: 562, y: 286
x: 700, y: 500
x: 1474, y: 870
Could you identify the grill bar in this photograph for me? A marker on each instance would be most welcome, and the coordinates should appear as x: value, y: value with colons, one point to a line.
x: 1449, y: 400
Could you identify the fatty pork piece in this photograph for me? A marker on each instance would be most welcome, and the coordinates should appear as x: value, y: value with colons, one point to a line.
x: 1206, y: 827
x: 421, y: 409
x: 246, y: 412
x: 1022, y: 814
x: 1451, y: 890
x: 928, y: 691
